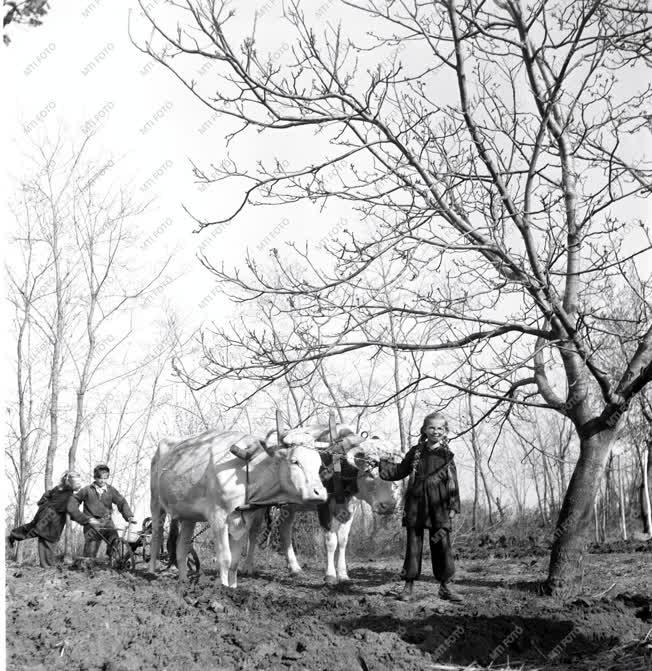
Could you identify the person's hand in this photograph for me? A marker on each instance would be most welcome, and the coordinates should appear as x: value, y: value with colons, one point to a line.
x: 452, y: 513
x: 342, y: 514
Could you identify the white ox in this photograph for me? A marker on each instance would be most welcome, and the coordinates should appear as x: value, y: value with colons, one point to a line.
x: 362, y: 483
x: 200, y: 479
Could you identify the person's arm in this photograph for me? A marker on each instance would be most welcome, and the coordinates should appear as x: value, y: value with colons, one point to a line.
x: 45, y: 498
x: 72, y: 508
x: 81, y: 494
x: 123, y: 506
x: 453, y: 488
x: 390, y: 471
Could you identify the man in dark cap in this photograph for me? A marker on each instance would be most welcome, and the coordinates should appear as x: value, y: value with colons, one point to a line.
x: 98, y: 499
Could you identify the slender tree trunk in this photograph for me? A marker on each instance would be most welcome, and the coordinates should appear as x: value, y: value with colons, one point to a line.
x: 603, y: 515
x: 596, y: 521
x: 540, y: 504
x: 22, y: 474
x: 549, y: 501
x: 143, y: 437
x: 57, y: 344
x: 621, y: 500
x: 608, y: 497
x: 487, y: 493
x: 476, y: 459
x: 331, y: 392
x: 474, y: 521
x: 575, y: 516
x: 84, y: 377
x: 644, y: 491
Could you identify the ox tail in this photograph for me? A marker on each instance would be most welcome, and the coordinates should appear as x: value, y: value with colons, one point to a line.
x: 171, y: 545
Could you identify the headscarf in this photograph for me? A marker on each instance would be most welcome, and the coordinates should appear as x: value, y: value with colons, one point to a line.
x: 67, y: 477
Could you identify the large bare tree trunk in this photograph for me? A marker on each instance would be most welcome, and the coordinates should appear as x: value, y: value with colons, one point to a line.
x: 575, y: 517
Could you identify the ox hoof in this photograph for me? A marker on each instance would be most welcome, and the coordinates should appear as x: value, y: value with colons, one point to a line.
x: 296, y: 573
x: 330, y: 580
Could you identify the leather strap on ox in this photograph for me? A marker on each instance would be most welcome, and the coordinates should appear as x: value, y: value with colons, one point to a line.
x: 338, y: 485
x: 254, y: 498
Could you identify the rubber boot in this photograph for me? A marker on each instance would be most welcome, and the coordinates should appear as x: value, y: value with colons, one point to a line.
x: 408, y: 591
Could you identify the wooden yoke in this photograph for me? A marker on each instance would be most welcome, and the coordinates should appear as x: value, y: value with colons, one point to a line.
x: 338, y: 485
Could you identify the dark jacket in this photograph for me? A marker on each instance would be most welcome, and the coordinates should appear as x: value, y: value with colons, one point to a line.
x: 432, y: 492
x: 102, y: 506
x: 50, y: 519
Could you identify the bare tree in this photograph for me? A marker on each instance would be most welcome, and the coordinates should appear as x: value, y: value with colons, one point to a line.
x: 47, y: 197
x: 491, y: 152
x: 26, y: 288
x: 98, y: 223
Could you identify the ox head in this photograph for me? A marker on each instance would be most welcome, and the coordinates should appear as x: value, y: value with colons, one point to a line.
x: 363, y: 454
x: 379, y: 494
x: 300, y: 464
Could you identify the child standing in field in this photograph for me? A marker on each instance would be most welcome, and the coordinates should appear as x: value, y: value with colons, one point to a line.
x: 431, y: 501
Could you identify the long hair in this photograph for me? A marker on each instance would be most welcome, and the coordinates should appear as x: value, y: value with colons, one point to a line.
x: 423, y: 441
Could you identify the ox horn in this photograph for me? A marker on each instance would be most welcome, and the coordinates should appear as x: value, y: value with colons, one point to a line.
x: 271, y: 451
x: 332, y: 426
x: 279, y: 423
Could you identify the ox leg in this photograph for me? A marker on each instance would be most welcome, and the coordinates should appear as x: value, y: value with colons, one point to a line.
x: 257, y: 518
x: 237, y: 544
x: 158, y: 519
x: 220, y: 529
x: 342, y: 530
x: 184, y: 541
x: 239, y: 528
x: 285, y: 532
x: 330, y: 545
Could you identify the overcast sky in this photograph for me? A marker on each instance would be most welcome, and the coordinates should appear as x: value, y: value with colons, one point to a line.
x: 79, y: 72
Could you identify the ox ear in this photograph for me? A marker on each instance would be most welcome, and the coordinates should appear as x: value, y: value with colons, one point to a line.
x: 247, y: 447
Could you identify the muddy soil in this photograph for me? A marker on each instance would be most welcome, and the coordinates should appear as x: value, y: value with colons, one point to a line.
x: 489, y: 547
x: 94, y: 618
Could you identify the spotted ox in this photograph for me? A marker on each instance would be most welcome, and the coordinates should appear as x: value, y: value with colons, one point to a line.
x: 200, y: 479
x: 360, y: 482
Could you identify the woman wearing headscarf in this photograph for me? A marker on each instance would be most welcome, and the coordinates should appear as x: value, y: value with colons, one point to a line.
x: 50, y: 518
